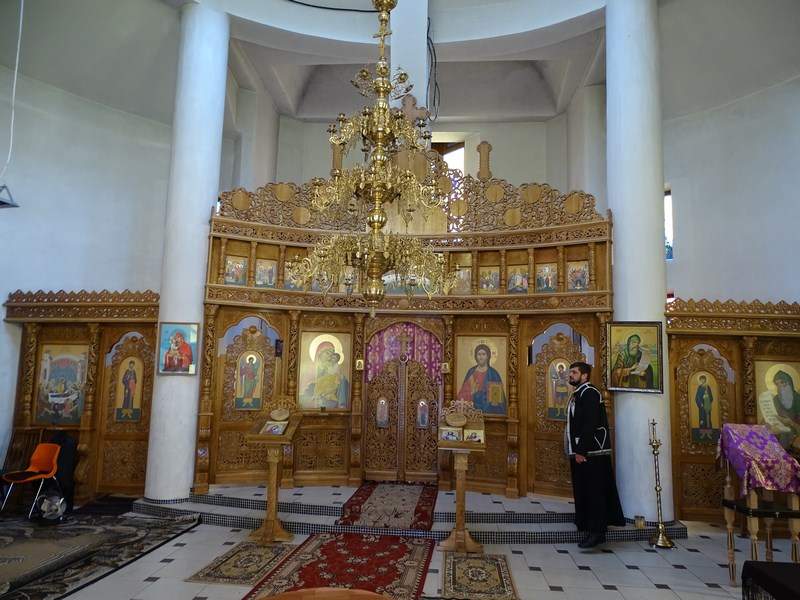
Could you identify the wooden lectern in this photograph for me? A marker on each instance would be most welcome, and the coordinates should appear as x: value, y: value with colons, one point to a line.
x: 461, y: 435
x: 267, y: 434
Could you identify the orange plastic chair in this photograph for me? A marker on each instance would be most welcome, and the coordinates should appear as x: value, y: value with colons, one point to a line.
x: 43, y: 466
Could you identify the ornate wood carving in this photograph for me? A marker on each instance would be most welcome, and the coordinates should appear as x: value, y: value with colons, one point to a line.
x: 31, y: 341
x: 749, y: 377
x: 356, y: 422
x: 701, y: 485
x: 559, y: 346
x: 550, y: 465
x: 420, y: 442
x: 91, y: 375
x: 294, y: 351
x: 205, y: 417
x: 734, y: 318
x: 278, y: 299
x: 251, y: 339
x: 512, y: 415
x: 124, y: 463
x: 491, y: 466
x: 783, y: 348
x: 235, y: 455
x: 602, y: 349
x: 381, y: 443
x: 84, y: 306
x: 131, y: 346
x: 693, y: 361
x: 321, y: 451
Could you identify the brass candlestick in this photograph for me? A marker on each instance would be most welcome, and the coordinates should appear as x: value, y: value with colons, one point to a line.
x: 661, y: 539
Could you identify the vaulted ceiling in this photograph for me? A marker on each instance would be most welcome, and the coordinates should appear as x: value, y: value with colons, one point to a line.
x: 123, y: 54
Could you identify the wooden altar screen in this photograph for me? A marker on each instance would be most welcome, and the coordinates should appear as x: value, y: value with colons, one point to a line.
x: 528, y: 255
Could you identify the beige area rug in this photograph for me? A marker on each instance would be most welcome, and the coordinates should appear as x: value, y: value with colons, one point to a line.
x: 391, y: 505
x: 477, y: 577
x: 244, y: 564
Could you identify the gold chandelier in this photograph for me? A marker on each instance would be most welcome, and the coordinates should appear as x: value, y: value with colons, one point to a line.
x: 398, y: 170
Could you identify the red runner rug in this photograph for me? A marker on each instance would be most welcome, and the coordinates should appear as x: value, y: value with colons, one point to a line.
x: 393, y: 505
x: 391, y: 565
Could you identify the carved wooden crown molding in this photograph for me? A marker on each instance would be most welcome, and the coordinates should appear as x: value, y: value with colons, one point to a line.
x: 557, y: 234
x: 80, y: 306
x: 733, y: 318
x: 499, y: 304
x: 481, y: 205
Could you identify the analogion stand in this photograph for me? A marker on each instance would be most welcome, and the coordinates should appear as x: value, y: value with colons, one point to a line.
x: 271, y: 530
x: 460, y: 539
x: 764, y: 467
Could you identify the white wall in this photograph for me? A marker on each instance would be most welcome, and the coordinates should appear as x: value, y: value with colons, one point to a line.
x: 256, y: 149
x: 557, y: 176
x: 519, y: 150
x: 91, y: 185
x: 734, y: 175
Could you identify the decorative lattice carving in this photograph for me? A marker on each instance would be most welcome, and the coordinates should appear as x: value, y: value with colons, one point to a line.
x: 321, y: 451
x: 234, y: 454
x: 701, y: 485
x: 492, y: 464
x: 124, y: 461
x: 382, y: 442
x: 420, y: 442
x: 551, y: 465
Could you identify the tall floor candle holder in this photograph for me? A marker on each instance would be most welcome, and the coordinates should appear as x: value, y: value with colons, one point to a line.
x: 661, y: 539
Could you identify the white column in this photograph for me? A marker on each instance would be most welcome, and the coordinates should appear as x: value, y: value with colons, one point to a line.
x: 586, y: 143
x: 636, y: 198
x: 409, y: 45
x: 192, y: 192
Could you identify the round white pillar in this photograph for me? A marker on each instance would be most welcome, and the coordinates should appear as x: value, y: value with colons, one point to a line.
x: 409, y: 46
x: 191, y: 195
x: 636, y: 198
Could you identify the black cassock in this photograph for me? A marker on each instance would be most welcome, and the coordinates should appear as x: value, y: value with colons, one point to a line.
x: 593, y: 484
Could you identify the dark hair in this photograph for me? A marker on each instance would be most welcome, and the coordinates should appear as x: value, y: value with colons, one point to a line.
x: 482, y: 347
x: 582, y: 367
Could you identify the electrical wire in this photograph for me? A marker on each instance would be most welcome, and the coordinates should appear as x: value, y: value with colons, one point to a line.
x: 14, y: 91
x: 337, y: 8
x: 432, y: 99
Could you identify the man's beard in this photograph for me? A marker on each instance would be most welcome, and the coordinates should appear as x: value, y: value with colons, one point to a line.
x: 786, y: 396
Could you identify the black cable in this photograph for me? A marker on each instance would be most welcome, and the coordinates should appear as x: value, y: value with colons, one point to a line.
x: 309, y: 5
x: 432, y: 101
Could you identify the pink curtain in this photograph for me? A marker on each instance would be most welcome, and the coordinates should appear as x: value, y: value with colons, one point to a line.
x: 421, y: 346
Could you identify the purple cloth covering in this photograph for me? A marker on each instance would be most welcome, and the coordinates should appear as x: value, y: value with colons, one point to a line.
x: 758, y: 458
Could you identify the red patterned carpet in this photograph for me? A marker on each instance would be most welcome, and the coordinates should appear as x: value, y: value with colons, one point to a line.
x: 390, y: 565
x: 393, y: 505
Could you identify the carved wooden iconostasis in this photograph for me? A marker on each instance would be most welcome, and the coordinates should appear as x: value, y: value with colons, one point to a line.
x: 86, y: 369
x: 534, y: 270
x: 536, y: 297
x: 725, y: 362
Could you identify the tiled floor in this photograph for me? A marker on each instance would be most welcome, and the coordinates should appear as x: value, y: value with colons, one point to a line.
x: 695, y: 569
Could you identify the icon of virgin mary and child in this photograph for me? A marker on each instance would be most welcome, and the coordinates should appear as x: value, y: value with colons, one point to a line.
x: 330, y: 388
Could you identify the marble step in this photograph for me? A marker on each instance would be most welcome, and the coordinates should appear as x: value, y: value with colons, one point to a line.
x: 534, y: 525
